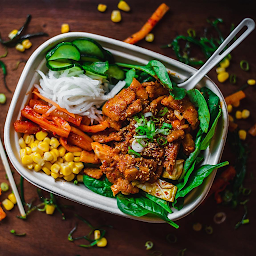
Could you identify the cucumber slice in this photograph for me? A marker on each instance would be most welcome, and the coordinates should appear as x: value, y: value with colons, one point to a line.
x: 97, y: 67
x: 116, y: 72
x: 59, y: 65
x: 90, y: 47
x: 64, y: 50
x: 86, y: 58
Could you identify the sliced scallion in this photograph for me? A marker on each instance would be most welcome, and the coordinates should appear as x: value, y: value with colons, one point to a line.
x: 163, y: 111
x: 161, y: 141
x: 232, y: 79
x: 244, y: 65
x: 149, y: 245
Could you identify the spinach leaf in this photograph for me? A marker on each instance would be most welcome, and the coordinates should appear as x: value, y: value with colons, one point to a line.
x: 101, y: 187
x: 145, y: 77
x: 140, y: 206
x: 203, y: 112
x: 161, y: 73
x: 164, y: 204
x: 130, y: 74
x: 148, y: 69
x: 178, y: 93
x: 97, y: 67
x: 207, y: 139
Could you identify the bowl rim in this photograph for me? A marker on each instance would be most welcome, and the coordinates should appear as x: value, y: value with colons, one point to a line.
x: 65, y: 37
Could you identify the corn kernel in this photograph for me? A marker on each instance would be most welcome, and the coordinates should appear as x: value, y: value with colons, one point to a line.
x: 54, y: 157
x: 12, y: 198
x: 96, y: 234
x: 41, y: 135
x: 245, y: 113
x: 27, y: 159
x: 231, y: 119
x: 37, y: 167
x: 50, y: 208
x: 47, y: 140
x: 30, y: 166
x: 69, y: 177
x: 62, y: 151
x: 46, y: 170
x: 77, y: 159
x: 56, y: 152
x: 48, y: 156
x: 23, y: 152
x: 20, y: 48
x: 71, y: 164
x: 60, y: 160
x: 55, y: 168
x: 65, y: 169
x: 54, y: 143
x: 13, y: 34
x: 8, y: 205
x: 22, y: 143
x: 223, y: 76
x: 27, y: 44
x: 242, y: 134
x: 69, y: 157
x: 116, y: 16
x: 33, y: 146
x: 28, y: 138
x: 43, y: 146
x: 225, y: 63
x: 75, y: 170
x: 79, y: 178
x: 230, y: 108
x: 61, y: 175
x: 28, y: 150
x: 48, y: 165
x: 64, y: 28
x: 54, y: 175
x: 150, y: 37
x: 102, y: 242
x: 236, y: 104
x: 77, y: 153
x: 251, y: 82
x: 38, y: 159
x: 220, y: 70
x: 102, y: 7
x: 79, y: 165
x: 122, y: 5
x: 238, y: 114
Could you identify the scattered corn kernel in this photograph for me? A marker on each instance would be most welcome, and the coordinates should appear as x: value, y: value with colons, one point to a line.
x: 220, y: 70
x: 54, y: 175
x: 46, y: 170
x: 122, y: 5
x: 102, y: 7
x: 13, y: 34
x: 65, y: 169
x: 64, y: 28
x: 37, y: 167
x: 251, y: 82
x: 55, y: 168
x: 27, y: 44
x: 150, y: 37
x: 48, y: 156
x: 20, y: 48
x: 223, y: 76
x: 75, y: 170
x: 12, y: 198
x: 69, y: 157
x: 231, y: 118
x: 27, y: 160
x: 28, y: 150
x: 77, y: 153
x: 225, y: 63
x: 242, y: 134
x: 38, y: 159
x: 238, y: 114
x: 236, y: 104
x: 77, y: 159
x: 96, y: 234
x: 41, y: 135
x: 230, y: 108
x: 23, y: 152
x: 62, y: 151
x: 79, y: 178
x: 22, y: 143
x: 102, y: 242
x: 69, y: 177
x: 49, y: 209
x: 8, y: 205
x: 245, y: 113
x: 44, y: 146
x: 54, y: 143
x: 116, y: 16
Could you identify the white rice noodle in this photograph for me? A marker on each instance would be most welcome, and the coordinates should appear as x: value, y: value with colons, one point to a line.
x: 76, y: 92
x: 148, y: 114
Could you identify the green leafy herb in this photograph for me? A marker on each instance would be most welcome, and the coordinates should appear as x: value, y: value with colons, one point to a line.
x: 148, y: 69
x: 97, y: 67
x: 129, y: 77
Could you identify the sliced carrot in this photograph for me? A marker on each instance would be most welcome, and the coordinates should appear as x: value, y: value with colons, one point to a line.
x: 252, y: 130
x: 70, y: 148
x: 149, y: 25
x: 95, y: 128
x: 88, y: 157
x: 2, y: 214
x: 235, y: 97
x: 53, y: 103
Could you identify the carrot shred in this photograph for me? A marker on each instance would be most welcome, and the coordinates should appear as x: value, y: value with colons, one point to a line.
x: 53, y: 103
x: 252, y: 130
x: 235, y: 97
x: 69, y: 148
x: 2, y: 214
x: 149, y: 25
x: 95, y: 128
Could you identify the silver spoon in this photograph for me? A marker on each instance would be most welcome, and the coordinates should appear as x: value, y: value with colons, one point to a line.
x: 217, y: 57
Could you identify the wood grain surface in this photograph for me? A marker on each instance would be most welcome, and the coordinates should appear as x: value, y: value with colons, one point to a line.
x: 47, y: 235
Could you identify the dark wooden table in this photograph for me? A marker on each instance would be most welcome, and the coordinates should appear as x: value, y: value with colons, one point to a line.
x: 47, y: 235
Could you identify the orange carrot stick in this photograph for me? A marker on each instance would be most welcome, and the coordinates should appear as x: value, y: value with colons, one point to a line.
x: 157, y: 16
x: 2, y: 214
x: 53, y: 103
x: 252, y: 130
x: 235, y: 97
x: 95, y: 128
x: 69, y: 148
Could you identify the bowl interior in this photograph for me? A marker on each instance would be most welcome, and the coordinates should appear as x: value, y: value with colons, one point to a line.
x: 123, y: 52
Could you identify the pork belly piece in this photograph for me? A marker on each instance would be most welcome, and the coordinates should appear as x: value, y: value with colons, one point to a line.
x: 139, y: 89
x: 160, y: 188
x: 188, y: 144
x: 124, y: 187
x: 176, y: 172
x: 175, y: 135
x: 171, y: 152
x: 105, y: 137
x: 155, y: 89
x: 95, y: 173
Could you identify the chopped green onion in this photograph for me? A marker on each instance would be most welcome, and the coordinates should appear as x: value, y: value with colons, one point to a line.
x: 197, y: 226
x: 244, y: 65
x: 139, y: 141
x: 208, y: 230
x: 162, y: 141
x: 229, y: 56
x: 227, y: 196
x: 70, y: 238
x: 133, y: 152
x: 75, y: 182
x: 4, y: 186
x: 163, y: 111
x: 149, y: 245
x: 14, y: 233
x: 171, y: 238
x: 169, y: 126
x: 219, y: 217
x: 2, y: 98
x: 5, y: 54
x: 232, y: 79
x: 191, y: 32
x: 246, y: 221
x: 246, y: 191
x: 182, y: 252
x: 244, y: 202
x: 166, y: 46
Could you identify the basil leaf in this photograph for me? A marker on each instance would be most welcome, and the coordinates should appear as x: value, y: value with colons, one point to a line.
x: 101, y: 187
x: 148, y: 69
x: 203, y: 112
x: 130, y: 74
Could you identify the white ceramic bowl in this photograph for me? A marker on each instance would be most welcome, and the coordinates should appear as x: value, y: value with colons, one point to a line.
x: 123, y: 52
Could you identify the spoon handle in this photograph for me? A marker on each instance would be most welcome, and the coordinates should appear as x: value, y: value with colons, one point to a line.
x: 220, y: 53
